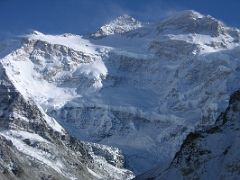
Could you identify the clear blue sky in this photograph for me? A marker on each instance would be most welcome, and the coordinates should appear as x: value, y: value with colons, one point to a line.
x: 82, y: 16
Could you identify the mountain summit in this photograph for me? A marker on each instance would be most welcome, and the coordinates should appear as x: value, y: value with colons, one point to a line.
x: 193, y: 22
x: 119, y: 25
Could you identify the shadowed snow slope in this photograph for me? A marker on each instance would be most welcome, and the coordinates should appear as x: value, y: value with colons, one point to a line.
x: 140, y: 88
x: 212, y: 153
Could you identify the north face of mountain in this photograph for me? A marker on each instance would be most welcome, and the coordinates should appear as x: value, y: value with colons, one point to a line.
x: 133, y: 95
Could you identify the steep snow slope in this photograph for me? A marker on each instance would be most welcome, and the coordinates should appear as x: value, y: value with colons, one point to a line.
x: 142, y: 90
x: 34, y: 146
x: 49, y: 62
x: 212, y: 153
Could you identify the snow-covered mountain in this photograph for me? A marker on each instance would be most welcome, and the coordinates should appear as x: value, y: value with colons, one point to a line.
x: 131, y: 93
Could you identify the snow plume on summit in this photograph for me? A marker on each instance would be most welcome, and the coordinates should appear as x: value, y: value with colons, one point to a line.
x: 119, y: 25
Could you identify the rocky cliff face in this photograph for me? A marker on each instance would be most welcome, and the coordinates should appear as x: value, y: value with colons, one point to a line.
x: 211, y: 153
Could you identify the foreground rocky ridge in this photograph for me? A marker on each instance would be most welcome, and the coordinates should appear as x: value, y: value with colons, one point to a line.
x: 211, y: 153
